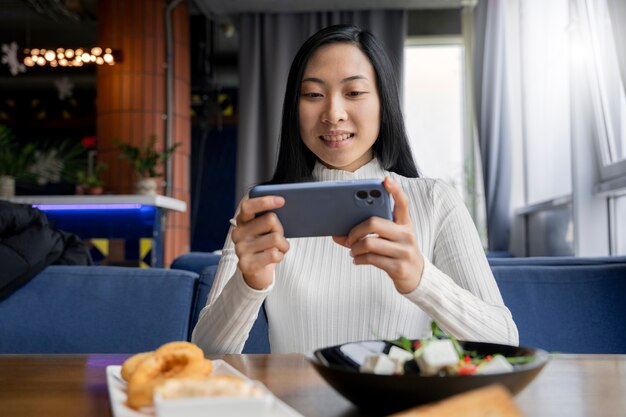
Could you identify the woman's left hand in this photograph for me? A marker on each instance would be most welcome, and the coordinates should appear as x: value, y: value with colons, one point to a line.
x: 390, y: 246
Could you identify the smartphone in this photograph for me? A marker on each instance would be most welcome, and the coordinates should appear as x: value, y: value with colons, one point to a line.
x: 327, y: 208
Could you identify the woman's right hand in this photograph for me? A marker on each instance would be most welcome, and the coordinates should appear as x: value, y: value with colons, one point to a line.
x: 260, y: 242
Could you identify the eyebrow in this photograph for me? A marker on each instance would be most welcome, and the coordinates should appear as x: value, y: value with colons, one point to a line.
x: 345, y: 80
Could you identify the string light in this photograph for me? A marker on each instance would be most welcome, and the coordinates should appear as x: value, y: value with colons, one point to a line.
x: 68, y: 57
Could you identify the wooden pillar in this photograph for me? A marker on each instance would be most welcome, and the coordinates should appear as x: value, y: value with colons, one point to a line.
x: 131, y: 99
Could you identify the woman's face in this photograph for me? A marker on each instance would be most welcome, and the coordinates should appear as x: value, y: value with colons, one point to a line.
x: 339, y: 106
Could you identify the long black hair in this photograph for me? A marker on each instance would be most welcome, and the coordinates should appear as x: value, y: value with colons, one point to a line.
x: 295, y: 160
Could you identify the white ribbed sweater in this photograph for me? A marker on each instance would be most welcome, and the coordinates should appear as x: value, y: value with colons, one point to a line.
x: 320, y: 298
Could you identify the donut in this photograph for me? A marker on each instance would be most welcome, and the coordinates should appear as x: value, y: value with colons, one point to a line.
x: 175, y: 360
x: 179, y: 351
x: 130, y: 365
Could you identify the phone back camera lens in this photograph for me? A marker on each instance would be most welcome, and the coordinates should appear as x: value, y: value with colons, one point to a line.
x: 375, y: 193
x: 361, y: 194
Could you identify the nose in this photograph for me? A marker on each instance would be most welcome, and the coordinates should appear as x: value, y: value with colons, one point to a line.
x: 335, y: 111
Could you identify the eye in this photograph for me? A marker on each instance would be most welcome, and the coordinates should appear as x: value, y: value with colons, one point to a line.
x: 311, y: 95
x: 355, y: 93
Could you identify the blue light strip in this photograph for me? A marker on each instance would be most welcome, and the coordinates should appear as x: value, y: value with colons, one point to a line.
x: 50, y: 207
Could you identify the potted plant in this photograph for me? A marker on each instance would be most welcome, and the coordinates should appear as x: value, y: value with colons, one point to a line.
x: 91, y: 182
x: 55, y: 164
x: 145, y: 161
x: 15, y: 162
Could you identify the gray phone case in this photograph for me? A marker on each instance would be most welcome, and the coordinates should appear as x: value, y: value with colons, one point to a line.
x: 327, y: 208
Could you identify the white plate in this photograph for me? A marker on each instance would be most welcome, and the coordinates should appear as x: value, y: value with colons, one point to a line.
x: 117, y: 393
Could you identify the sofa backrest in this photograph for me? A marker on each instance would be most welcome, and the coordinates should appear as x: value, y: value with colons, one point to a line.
x: 567, y: 308
x: 77, y: 309
x: 258, y: 339
x: 556, y: 260
x: 195, y: 261
x: 565, y: 304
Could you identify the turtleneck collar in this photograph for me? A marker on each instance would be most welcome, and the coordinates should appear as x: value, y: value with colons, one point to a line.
x: 372, y: 169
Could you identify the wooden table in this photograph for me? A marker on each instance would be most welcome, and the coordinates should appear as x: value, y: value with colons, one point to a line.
x: 75, y: 385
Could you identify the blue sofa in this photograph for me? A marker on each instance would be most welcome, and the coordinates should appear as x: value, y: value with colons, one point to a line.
x: 556, y: 261
x: 205, y: 265
x: 567, y: 308
x: 562, y: 304
x: 80, y: 309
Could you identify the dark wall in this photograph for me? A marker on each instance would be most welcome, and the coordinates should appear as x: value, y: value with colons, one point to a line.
x: 212, y: 186
x: 434, y: 22
x: 213, y: 140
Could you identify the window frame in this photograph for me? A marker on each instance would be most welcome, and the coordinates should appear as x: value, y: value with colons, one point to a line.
x: 612, y: 176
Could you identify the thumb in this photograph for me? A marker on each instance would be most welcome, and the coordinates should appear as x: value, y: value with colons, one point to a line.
x: 401, y: 207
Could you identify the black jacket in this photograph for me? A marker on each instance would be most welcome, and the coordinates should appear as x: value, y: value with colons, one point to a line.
x: 28, y: 244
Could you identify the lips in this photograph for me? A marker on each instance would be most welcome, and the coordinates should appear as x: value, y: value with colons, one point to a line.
x: 336, y: 137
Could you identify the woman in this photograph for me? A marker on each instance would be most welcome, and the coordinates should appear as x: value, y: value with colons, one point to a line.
x: 342, y: 121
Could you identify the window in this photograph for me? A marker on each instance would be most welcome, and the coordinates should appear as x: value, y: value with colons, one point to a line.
x: 434, y: 109
x: 596, y: 55
x: 546, y: 99
x: 594, y: 41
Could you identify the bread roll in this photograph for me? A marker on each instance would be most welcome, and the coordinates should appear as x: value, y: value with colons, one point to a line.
x: 491, y: 401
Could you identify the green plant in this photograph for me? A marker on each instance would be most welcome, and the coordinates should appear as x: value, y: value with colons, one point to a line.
x: 145, y: 159
x: 57, y: 161
x: 15, y: 160
x: 93, y: 179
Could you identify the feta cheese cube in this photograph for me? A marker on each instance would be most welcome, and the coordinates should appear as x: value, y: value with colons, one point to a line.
x: 379, y: 364
x: 359, y: 351
x: 436, y: 355
x: 400, y: 356
x: 497, y: 365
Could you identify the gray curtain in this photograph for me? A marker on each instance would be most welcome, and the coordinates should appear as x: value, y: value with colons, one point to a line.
x: 268, y: 43
x: 493, y: 119
x: 617, y: 11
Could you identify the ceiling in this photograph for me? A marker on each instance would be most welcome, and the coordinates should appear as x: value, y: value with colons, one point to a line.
x: 62, y: 22
x: 221, y: 7
x: 44, y: 23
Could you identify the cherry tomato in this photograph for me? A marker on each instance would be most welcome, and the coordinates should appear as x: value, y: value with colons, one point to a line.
x: 467, y: 370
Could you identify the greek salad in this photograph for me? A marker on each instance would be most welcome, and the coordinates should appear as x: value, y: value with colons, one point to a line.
x: 440, y: 354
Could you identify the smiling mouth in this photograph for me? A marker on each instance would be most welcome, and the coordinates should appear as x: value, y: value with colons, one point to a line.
x: 336, y: 138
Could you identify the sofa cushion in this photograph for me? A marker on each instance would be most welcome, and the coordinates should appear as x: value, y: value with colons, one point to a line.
x: 77, y: 309
x: 575, y: 308
x: 195, y: 261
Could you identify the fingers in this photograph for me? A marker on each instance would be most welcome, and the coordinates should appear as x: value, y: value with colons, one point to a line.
x: 265, y: 224
x: 405, y: 275
x: 250, y: 208
x: 380, y: 227
x: 250, y: 226
x: 341, y: 240
x: 389, y: 265
x: 401, y: 208
x: 261, y: 244
x: 402, y: 261
x: 383, y: 247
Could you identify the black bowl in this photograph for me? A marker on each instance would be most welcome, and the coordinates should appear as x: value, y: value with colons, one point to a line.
x: 384, y: 394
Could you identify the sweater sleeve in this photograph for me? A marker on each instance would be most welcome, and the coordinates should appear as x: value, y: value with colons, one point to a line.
x: 457, y: 288
x: 231, y: 310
